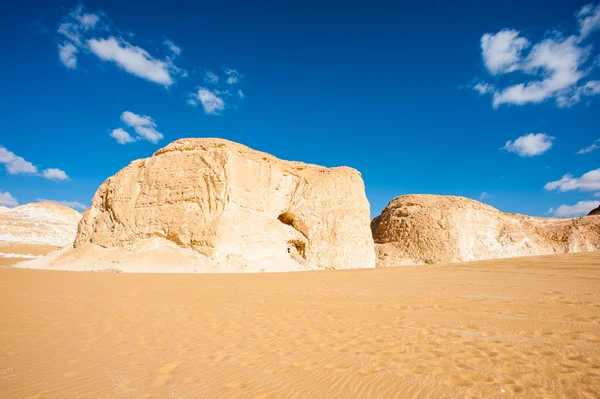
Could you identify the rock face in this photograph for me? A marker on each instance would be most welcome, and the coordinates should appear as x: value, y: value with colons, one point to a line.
x: 595, y: 211
x: 230, y: 208
x: 417, y: 229
x: 39, y: 223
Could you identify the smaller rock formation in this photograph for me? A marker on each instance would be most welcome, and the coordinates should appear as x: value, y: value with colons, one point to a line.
x: 428, y: 229
x: 595, y: 211
x: 39, y: 223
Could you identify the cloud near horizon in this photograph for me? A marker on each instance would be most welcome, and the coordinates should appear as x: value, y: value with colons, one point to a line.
x: 143, y: 125
x: 552, y: 68
x: 7, y: 200
x: 530, y: 144
x: 581, y: 208
x: 16, y: 165
x: 589, y: 181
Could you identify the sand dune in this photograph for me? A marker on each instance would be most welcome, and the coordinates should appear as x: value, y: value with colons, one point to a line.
x: 524, y: 328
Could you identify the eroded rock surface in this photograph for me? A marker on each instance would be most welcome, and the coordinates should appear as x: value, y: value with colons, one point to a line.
x: 230, y: 208
x: 417, y: 229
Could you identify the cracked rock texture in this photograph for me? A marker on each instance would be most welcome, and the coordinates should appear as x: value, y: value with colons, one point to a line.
x: 418, y: 229
x: 221, y: 206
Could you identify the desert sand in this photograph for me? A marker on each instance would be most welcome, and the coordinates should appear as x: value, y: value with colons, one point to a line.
x: 521, y: 327
x: 12, y: 253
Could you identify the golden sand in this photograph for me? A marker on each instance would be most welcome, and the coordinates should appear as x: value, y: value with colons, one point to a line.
x: 9, y: 252
x: 524, y: 328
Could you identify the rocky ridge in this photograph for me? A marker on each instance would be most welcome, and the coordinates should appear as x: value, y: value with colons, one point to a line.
x: 428, y: 229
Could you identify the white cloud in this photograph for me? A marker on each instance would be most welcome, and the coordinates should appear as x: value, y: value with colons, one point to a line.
x: 240, y: 93
x: 580, y: 208
x: 15, y: 164
x: 589, y: 148
x: 210, y: 77
x: 484, y: 195
x: 553, y: 68
x: 597, y: 194
x: 501, y: 52
x: 176, y: 50
x: 530, y: 144
x: 483, y: 88
x: 133, y: 59
x: 88, y: 21
x: 144, y: 127
x: 210, y: 101
x: 71, y: 204
x: 67, y: 52
x: 7, y: 200
x: 54, y: 174
x: 76, y: 22
x: 233, y: 75
x: 589, y: 181
x: 121, y: 136
x: 590, y: 88
x: 557, y: 62
x: 589, y: 19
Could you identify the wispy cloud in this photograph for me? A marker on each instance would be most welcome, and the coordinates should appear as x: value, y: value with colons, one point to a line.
x: 121, y: 136
x: 580, y: 208
x: 210, y: 77
x: 143, y: 125
x: 67, y: 54
x: 484, y: 195
x: 554, y: 67
x: 88, y: 32
x: 530, y: 144
x: 176, y: 50
x: 588, y: 18
x: 233, y: 76
x: 7, y: 200
x: 589, y: 148
x: 16, y: 165
x: 54, y: 174
x: 589, y: 181
x: 210, y: 100
x: 133, y: 59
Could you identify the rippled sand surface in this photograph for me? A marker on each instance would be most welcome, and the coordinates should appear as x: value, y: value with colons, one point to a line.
x: 523, y: 328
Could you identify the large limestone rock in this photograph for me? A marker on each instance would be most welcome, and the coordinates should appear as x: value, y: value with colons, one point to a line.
x: 44, y: 223
x: 222, y: 206
x: 417, y: 229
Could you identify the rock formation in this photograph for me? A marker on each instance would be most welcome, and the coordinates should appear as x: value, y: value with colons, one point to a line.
x: 220, y: 206
x: 418, y: 229
x: 595, y: 211
x: 39, y: 223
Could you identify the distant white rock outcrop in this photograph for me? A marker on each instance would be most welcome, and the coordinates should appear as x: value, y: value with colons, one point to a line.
x: 46, y: 223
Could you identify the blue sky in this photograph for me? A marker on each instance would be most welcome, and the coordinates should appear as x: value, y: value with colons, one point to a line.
x: 486, y: 101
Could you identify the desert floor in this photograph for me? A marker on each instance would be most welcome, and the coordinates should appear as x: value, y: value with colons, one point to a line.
x: 11, y: 253
x: 525, y: 328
